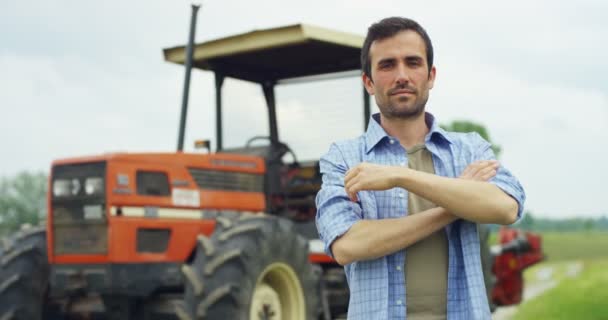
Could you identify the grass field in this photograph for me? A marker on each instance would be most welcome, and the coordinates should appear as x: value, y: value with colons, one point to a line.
x: 559, y: 270
x: 583, y: 297
x: 567, y: 246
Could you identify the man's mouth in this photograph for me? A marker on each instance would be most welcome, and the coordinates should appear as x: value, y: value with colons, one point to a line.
x: 402, y: 92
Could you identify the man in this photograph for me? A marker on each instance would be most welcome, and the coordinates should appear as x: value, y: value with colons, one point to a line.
x: 399, y: 205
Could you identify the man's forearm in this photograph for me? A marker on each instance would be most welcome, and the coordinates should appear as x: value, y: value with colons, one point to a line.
x: 476, y: 201
x: 370, y: 239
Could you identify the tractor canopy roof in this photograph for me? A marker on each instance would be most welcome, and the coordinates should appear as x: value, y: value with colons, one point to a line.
x: 274, y: 54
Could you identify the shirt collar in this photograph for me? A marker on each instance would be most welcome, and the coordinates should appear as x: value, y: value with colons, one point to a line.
x: 375, y: 133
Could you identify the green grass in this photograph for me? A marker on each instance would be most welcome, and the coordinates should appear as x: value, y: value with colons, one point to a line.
x: 532, y: 275
x: 583, y: 297
x: 568, y: 246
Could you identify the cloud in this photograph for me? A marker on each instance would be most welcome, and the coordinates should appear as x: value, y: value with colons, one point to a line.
x: 551, y: 135
x: 48, y: 114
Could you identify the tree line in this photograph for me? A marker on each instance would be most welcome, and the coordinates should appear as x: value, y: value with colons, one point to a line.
x: 532, y: 223
x: 22, y: 200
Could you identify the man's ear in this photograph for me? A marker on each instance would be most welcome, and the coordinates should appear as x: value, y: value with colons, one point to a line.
x: 368, y: 83
x: 432, y: 75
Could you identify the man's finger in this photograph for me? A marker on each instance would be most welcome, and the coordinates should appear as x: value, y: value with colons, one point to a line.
x: 352, y: 192
x: 485, y: 163
x: 474, y: 166
x: 485, y: 171
x: 350, y: 182
x: 349, y: 174
x: 348, y: 193
x: 471, y: 170
x: 481, y: 165
x: 465, y: 172
x: 351, y: 186
x: 488, y: 176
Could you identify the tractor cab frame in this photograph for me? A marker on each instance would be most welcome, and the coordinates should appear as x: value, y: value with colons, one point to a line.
x: 278, y: 56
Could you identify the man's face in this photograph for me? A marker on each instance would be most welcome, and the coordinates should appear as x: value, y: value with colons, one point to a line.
x: 400, y: 78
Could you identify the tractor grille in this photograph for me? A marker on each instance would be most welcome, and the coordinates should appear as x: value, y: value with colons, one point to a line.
x: 80, y: 229
x: 80, y: 224
x: 229, y: 181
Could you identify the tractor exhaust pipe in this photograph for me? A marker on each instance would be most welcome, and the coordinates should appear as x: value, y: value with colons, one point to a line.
x: 188, y: 65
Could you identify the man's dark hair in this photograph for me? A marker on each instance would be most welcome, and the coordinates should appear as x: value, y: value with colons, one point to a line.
x: 387, y: 28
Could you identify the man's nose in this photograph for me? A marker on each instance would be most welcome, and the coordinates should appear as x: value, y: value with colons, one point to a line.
x: 402, y: 76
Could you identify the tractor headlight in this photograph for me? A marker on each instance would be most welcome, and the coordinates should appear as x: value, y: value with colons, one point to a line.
x: 62, y: 187
x: 66, y: 187
x: 78, y: 181
x: 93, y: 185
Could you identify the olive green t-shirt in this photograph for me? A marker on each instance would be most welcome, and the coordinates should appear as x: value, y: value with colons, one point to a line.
x: 426, y: 266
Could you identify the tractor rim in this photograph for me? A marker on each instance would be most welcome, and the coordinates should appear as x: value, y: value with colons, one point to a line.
x: 278, y: 295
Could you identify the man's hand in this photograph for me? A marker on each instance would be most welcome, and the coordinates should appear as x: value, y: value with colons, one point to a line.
x: 483, y: 170
x: 369, y: 176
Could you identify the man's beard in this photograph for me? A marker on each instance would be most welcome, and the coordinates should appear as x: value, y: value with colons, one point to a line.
x: 392, y: 111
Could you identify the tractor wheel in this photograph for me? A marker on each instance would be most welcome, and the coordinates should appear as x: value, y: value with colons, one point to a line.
x: 252, y: 268
x: 24, y: 275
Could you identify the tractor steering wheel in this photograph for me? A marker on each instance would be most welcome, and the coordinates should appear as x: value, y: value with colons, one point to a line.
x: 285, y: 148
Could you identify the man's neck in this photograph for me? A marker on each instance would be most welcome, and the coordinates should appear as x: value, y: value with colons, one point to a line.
x: 410, y: 131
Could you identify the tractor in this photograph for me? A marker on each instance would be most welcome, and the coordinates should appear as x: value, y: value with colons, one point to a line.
x: 228, y: 234
x: 516, y: 251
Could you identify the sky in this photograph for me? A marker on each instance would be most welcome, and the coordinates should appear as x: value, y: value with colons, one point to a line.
x: 82, y: 78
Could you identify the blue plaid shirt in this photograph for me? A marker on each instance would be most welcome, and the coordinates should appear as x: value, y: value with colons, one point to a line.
x: 377, y: 289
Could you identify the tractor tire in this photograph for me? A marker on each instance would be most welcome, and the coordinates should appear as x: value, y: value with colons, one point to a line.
x: 254, y: 267
x: 24, y: 275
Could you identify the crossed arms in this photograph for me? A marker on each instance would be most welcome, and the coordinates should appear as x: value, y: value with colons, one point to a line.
x: 468, y: 197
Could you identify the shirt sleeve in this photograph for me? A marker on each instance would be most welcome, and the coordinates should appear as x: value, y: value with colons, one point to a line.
x: 504, y: 179
x: 336, y: 213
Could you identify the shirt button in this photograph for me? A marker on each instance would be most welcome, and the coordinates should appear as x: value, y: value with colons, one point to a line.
x: 391, y: 141
x: 399, y: 302
x: 401, y: 195
x: 398, y: 268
